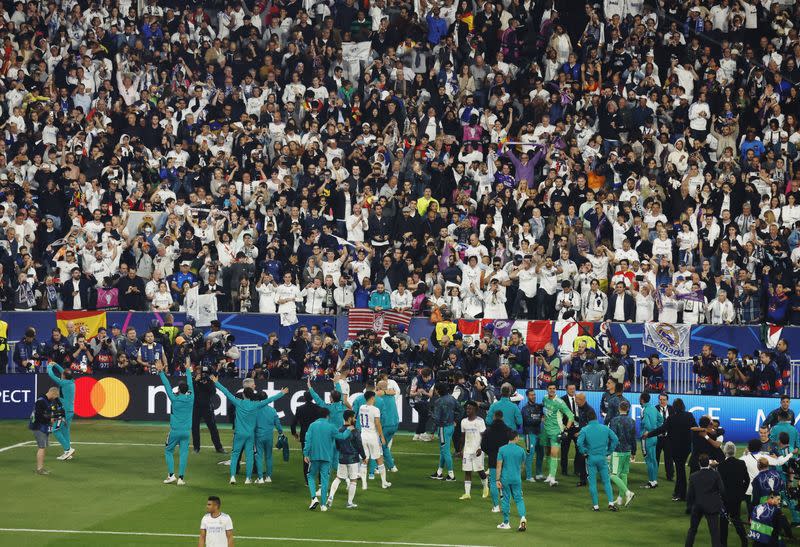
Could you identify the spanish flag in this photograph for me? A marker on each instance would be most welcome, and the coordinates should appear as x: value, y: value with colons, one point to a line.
x: 87, y: 321
x: 468, y: 20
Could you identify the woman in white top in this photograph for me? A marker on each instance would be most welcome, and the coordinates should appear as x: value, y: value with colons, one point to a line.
x: 774, y: 208
x: 162, y: 300
x: 472, y: 303
x: 400, y: 298
x: 644, y: 303
x: 266, y: 294
x: 679, y: 158
x: 790, y: 213
x: 454, y: 302
x: 494, y: 302
x: 687, y: 243
x: 356, y: 224
x: 662, y: 245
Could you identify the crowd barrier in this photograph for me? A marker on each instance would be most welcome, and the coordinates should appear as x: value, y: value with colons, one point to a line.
x: 143, y: 398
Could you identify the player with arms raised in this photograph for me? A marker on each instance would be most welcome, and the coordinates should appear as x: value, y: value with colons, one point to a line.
x: 472, y: 428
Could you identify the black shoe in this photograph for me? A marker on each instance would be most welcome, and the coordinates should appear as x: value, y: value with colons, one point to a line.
x: 220, y: 451
x: 196, y: 450
x: 650, y: 485
x: 596, y: 509
x: 436, y: 476
x: 580, y: 483
x: 448, y: 478
x: 612, y: 507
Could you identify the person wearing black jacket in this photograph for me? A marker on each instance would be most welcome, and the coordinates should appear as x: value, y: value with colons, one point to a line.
x: 494, y: 438
x: 665, y: 409
x: 678, y: 429
x: 304, y: 416
x: 576, y: 402
x: 204, y: 391
x: 736, y: 480
x: 704, y: 499
x: 47, y: 411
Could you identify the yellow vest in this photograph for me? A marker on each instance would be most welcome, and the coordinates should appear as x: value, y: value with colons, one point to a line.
x: 590, y: 343
x: 3, y: 336
x: 445, y: 327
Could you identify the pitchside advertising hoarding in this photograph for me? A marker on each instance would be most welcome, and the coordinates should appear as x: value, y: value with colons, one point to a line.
x: 144, y: 398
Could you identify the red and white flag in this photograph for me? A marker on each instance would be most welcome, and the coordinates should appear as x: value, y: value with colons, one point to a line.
x: 535, y: 333
x: 774, y: 333
x: 360, y: 319
x: 568, y: 331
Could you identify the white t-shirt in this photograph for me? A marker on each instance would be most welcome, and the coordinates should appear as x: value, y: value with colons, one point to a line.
x: 472, y: 431
x: 367, y: 415
x: 216, y: 529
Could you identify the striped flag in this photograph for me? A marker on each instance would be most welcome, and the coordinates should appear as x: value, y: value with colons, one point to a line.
x: 362, y: 319
x: 87, y: 322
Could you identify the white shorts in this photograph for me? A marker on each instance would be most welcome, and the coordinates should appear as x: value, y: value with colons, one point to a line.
x: 472, y: 463
x: 372, y: 447
x: 347, y: 471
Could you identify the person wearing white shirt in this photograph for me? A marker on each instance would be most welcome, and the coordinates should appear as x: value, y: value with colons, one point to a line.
x: 670, y: 306
x: 595, y: 303
x: 400, y: 298
x: 333, y: 267
x: 314, y: 294
x: 494, y: 300
x: 694, y: 311
x: 472, y: 302
x: 343, y: 295
x: 721, y: 310
x: 216, y: 527
x: 286, y: 297
x: 266, y: 294
x: 568, y: 302
x: 644, y: 304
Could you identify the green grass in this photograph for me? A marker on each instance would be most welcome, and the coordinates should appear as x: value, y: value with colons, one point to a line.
x: 118, y: 488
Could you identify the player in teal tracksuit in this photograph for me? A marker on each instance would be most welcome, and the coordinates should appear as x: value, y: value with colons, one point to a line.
x: 651, y: 419
x: 66, y: 384
x: 510, y: 459
x: 512, y: 416
x: 336, y: 409
x: 247, y: 410
x: 596, y: 441
x: 444, y: 417
x: 266, y: 422
x: 390, y: 421
x: 320, y: 441
x: 180, y: 424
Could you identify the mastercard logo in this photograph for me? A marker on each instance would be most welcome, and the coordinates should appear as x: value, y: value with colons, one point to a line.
x: 108, y: 397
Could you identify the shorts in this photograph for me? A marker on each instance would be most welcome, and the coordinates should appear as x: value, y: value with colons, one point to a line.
x: 472, y: 463
x: 42, y: 438
x: 620, y: 463
x: 347, y: 471
x: 547, y: 439
x: 372, y: 447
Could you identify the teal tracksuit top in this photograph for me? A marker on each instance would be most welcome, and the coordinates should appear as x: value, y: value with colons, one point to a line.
x: 67, y: 387
x: 246, y: 410
x: 336, y: 409
x: 512, y: 416
x: 596, y: 439
x: 320, y: 440
x: 651, y: 418
x: 388, y: 408
x: 266, y: 421
x: 180, y: 417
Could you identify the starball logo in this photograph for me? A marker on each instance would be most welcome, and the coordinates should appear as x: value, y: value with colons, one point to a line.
x: 108, y: 397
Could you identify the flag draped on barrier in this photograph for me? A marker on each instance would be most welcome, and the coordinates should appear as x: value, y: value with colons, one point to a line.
x: 378, y: 321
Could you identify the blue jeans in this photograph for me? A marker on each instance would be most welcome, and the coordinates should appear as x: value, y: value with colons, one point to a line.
x: 597, y: 465
x: 512, y: 490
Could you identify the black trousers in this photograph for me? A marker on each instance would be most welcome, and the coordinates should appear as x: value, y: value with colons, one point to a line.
x: 663, y: 445
x: 530, y: 306
x: 305, y: 465
x: 734, y: 514
x: 207, y: 413
x: 579, y: 462
x: 423, y: 408
x: 694, y: 522
x: 679, y: 462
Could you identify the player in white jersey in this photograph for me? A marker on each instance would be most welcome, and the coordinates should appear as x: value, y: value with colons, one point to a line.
x: 216, y: 527
x: 369, y: 418
x: 472, y: 428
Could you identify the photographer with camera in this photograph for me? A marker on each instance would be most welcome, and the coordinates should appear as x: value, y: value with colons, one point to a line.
x: 204, y: 395
x: 707, y: 372
x: 103, y: 348
x: 549, y: 364
x: 47, y: 417
x: 420, y: 394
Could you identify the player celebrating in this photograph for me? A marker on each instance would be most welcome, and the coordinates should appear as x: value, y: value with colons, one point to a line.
x: 247, y: 410
x: 510, y: 460
x: 266, y: 422
x: 369, y: 416
x: 472, y: 428
x: 390, y: 421
x: 317, y: 453
x: 554, y: 411
x: 351, y: 452
x: 66, y: 386
x: 180, y: 424
x: 216, y: 527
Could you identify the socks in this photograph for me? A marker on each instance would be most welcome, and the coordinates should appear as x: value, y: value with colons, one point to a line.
x: 467, y: 487
x: 553, y: 466
x: 362, y: 473
x: 334, y: 486
x: 439, y: 471
x: 351, y: 491
x: 484, y: 482
x: 382, y: 473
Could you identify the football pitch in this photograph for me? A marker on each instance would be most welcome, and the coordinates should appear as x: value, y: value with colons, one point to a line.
x: 111, y: 494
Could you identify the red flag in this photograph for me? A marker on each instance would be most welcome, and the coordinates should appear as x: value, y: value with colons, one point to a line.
x: 469, y: 328
x: 362, y: 319
x: 539, y: 334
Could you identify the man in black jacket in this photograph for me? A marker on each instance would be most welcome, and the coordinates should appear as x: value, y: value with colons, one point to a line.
x: 304, y: 416
x: 663, y: 444
x: 704, y: 498
x: 76, y: 292
x: 678, y: 429
x: 736, y: 480
x: 204, y: 391
x: 621, y: 305
x: 576, y: 402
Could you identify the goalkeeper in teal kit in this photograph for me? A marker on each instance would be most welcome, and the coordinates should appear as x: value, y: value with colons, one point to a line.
x: 180, y: 424
x: 247, y: 410
x: 66, y: 386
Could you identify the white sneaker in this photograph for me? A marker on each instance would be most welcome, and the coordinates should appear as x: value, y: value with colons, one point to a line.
x: 496, y: 509
x: 386, y: 485
x: 233, y: 480
x: 62, y: 456
x: 553, y: 482
x: 504, y: 526
x: 329, y: 503
x: 170, y: 479
x: 351, y: 505
x: 394, y: 469
x: 323, y: 508
x: 314, y: 504
x: 224, y: 462
x: 629, y: 497
x: 531, y: 479
x: 371, y: 476
x: 618, y: 501
x: 259, y: 481
x: 67, y: 455
x: 181, y: 482
x: 268, y: 479
x: 539, y: 477
x: 416, y: 437
x: 248, y: 481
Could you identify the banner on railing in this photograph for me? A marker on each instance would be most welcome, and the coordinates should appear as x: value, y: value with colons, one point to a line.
x: 669, y: 340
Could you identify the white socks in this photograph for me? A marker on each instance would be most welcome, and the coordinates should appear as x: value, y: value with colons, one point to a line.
x: 382, y: 473
x: 351, y: 491
x: 439, y: 471
x: 467, y: 487
x: 484, y: 482
x: 333, y: 488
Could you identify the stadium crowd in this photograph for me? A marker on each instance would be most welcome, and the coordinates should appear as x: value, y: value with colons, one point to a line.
x: 624, y: 161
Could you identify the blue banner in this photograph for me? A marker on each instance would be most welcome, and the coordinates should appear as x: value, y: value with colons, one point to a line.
x: 739, y: 416
x: 17, y: 395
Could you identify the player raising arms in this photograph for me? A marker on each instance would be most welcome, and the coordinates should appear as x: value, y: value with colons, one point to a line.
x: 66, y: 387
x: 180, y: 424
x: 369, y: 417
x: 472, y: 428
x: 350, y: 452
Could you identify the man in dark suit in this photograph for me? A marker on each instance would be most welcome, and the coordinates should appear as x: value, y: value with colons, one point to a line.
x: 736, y: 480
x: 576, y: 402
x: 663, y: 444
x: 76, y: 291
x: 678, y: 429
x: 704, y: 499
x: 304, y: 416
x: 621, y: 305
x: 715, y: 286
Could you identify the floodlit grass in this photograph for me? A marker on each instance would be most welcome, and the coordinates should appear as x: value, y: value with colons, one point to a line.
x: 117, y: 487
